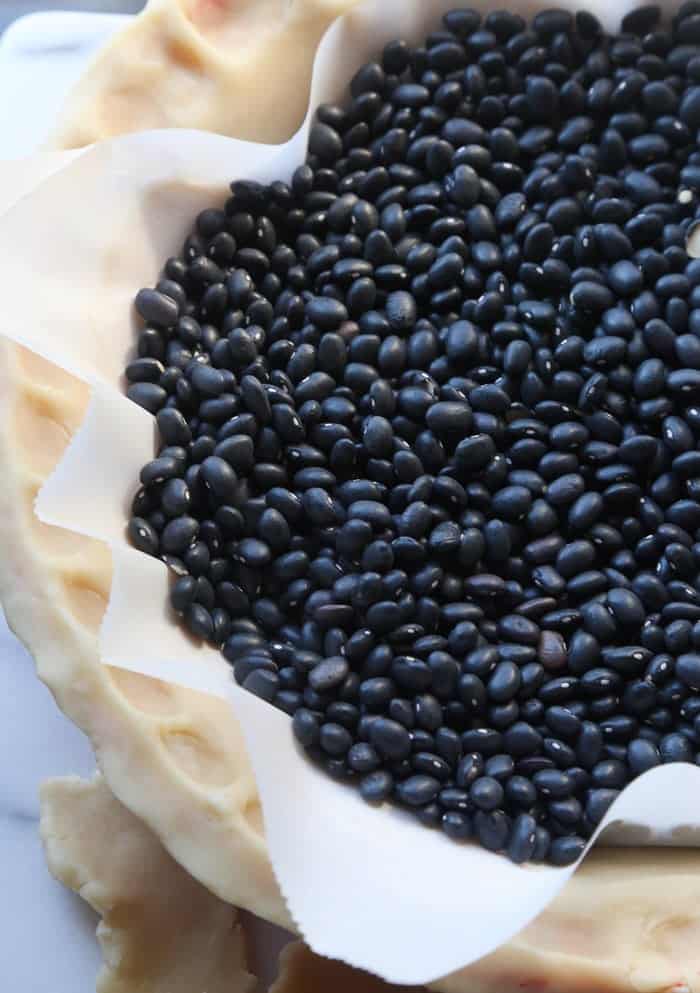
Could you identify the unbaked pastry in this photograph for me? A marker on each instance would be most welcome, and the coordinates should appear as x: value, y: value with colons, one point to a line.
x: 160, y: 932
x: 623, y: 924
x: 236, y: 67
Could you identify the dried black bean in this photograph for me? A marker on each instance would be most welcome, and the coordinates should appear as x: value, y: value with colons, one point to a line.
x: 417, y: 791
x: 143, y: 535
x: 486, y: 793
x: 676, y: 748
x: 688, y: 670
x: 491, y: 829
x: 376, y: 786
x: 263, y: 683
x: 521, y: 846
x: 157, y: 308
x: 328, y: 674
x: 456, y: 825
x: 150, y: 396
x: 199, y: 621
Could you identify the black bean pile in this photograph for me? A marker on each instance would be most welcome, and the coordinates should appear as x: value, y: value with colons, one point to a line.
x: 429, y: 419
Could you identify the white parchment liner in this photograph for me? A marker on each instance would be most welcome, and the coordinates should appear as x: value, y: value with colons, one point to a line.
x: 371, y: 887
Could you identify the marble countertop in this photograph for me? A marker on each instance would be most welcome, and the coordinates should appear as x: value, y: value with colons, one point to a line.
x: 10, y: 10
x: 41, y: 57
x: 47, y: 935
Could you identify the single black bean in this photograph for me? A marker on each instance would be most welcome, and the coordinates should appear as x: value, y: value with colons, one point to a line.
x: 491, y: 829
x: 377, y: 786
x: 456, y: 825
x: 521, y: 846
x: 143, y: 535
x: 688, y: 670
x: 150, y: 396
x: 486, y: 793
x: 418, y: 790
x: 179, y: 534
x: 157, y: 308
x: 390, y: 738
x: 470, y: 768
x: 597, y: 803
x: 553, y: 783
x: 675, y: 747
x: 566, y: 850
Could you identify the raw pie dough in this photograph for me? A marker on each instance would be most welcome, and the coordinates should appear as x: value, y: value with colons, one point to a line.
x: 174, y: 758
x: 161, y: 932
x: 236, y: 67
x: 624, y: 923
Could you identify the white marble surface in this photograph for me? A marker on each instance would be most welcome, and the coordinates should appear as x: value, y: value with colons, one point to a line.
x: 11, y: 10
x: 47, y: 935
x: 41, y: 56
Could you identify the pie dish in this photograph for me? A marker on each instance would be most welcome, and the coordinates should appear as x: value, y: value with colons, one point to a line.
x: 172, y: 757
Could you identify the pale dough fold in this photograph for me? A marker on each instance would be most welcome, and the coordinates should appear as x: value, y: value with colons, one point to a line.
x: 161, y: 932
x: 236, y: 67
x: 627, y: 922
x: 302, y: 971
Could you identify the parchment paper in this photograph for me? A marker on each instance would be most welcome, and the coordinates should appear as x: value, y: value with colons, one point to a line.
x: 369, y: 886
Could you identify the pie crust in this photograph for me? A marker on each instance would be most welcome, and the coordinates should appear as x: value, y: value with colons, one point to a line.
x: 236, y: 67
x: 160, y: 931
x: 173, y: 757
x: 627, y: 922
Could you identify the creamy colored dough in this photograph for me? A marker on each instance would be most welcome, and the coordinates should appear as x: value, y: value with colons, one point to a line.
x: 237, y: 67
x: 302, y: 971
x: 160, y: 932
x: 628, y: 922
